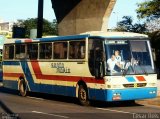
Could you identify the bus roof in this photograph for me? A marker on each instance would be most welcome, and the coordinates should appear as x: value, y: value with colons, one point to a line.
x: 93, y: 34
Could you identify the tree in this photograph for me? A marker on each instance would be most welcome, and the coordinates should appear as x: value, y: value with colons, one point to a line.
x: 49, y: 28
x: 149, y: 9
x: 153, y: 25
x: 127, y: 25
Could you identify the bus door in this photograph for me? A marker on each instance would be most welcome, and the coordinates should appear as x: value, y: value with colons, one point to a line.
x: 96, y: 63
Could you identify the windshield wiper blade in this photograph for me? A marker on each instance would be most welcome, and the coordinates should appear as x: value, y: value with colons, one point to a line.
x: 125, y: 70
x: 143, y: 69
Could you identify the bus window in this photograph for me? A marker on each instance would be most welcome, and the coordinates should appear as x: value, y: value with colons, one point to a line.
x: 77, y: 50
x: 20, y: 51
x: 0, y: 55
x: 45, y: 51
x: 94, y: 54
x: 9, y: 52
x: 60, y: 50
x: 32, y: 50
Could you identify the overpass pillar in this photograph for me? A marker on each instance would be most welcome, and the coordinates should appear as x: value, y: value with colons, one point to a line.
x: 87, y: 15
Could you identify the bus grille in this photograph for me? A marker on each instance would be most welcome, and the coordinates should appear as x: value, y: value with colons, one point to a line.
x: 135, y: 85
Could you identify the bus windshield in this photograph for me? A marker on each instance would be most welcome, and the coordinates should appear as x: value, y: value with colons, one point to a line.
x: 125, y: 57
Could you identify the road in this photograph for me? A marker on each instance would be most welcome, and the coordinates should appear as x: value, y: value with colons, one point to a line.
x: 40, y: 106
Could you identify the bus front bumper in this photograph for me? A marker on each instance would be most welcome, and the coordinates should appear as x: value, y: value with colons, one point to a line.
x: 125, y: 94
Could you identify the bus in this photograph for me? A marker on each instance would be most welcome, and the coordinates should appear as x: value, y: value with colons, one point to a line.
x: 2, y: 39
x: 78, y: 66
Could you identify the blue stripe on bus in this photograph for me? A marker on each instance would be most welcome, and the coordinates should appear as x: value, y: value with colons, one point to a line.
x: 33, y: 86
x: 76, y: 37
x: 62, y: 38
x: 45, y: 88
x: 18, y: 41
x: 130, y: 79
x: 58, y: 38
x: 126, y: 94
x: 10, y: 84
x: 11, y: 63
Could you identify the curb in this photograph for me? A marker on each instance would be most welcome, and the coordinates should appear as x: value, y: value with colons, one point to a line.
x: 158, y: 93
x: 150, y: 102
x: 1, y: 84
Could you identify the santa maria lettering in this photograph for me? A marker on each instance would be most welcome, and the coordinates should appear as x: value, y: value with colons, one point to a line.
x: 60, y: 68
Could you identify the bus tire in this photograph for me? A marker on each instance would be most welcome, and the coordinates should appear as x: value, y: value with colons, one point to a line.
x: 22, y: 88
x: 83, y: 96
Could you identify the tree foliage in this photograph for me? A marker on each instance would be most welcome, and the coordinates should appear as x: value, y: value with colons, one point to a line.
x: 49, y: 28
x: 127, y: 25
x: 153, y: 25
x: 149, y: 9
x: 155, y: 39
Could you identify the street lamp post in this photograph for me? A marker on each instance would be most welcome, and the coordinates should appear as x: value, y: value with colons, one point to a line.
x: 40, y: 19
x: 116, y: 13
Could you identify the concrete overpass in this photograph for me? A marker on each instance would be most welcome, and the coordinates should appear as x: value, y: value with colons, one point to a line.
x: 78, y: 16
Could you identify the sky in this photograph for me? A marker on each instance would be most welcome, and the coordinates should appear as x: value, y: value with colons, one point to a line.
x: 11, y: 10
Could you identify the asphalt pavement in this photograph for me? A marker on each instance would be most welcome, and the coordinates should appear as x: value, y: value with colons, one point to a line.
x: 42, y: 106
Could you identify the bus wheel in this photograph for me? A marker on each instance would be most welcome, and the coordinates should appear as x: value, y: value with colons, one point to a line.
x: 83, y: 96
x: 22, y: 87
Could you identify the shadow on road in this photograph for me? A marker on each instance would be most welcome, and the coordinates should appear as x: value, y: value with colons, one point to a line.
x: 72, y: 100
x: 8, y: 113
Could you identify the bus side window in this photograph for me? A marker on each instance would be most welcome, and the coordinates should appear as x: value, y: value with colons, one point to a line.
x: 60, y: 50
x: 77, y: 50
x: 20, y: 52
x: 9, y: 52
x: 45, y: 51
x: 32, y: 51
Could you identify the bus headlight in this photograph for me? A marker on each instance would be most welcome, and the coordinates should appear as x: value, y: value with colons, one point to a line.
x: 116, y: 86
x: 108, y: 86
x: 152, y: 84
x: 113, y: 86
x: 152, y: 92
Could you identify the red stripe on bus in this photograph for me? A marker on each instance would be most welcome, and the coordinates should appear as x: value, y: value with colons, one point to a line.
x: 13, y: 74
x: 140, y: 78
x: 28, y: 40
x: 39, y: 75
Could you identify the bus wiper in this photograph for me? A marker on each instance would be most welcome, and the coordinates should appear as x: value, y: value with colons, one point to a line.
x: 125, y: 70
x: 143, y: 69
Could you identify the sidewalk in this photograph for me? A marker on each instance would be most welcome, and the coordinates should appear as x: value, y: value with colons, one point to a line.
x: 155, y: 101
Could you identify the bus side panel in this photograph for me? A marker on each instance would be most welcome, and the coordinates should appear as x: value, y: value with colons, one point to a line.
x: 47, y: 82
x: 11, y: 73
x: 32, y: 86
x: 10, y: 84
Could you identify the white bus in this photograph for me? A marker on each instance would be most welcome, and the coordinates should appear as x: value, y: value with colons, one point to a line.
x: 2, y: 39
x: 82, y: 66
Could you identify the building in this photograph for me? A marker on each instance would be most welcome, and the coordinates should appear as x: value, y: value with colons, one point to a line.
x: 6, y: 29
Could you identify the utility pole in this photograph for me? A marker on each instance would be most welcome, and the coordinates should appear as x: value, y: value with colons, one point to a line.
x: 40, y: 19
